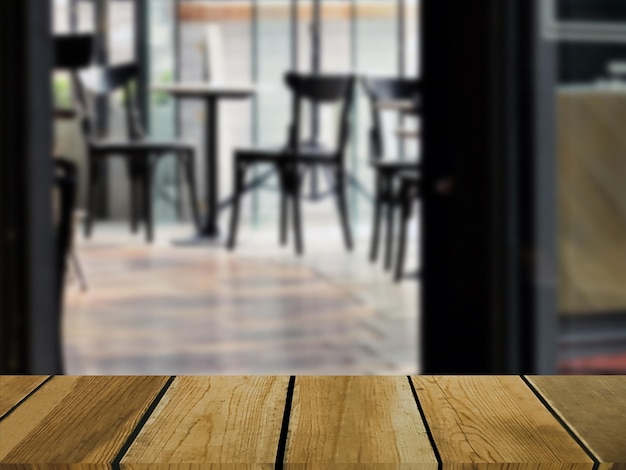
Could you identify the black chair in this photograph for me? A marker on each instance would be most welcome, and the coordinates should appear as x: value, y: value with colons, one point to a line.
x: 141, y: 153
x: 72, y: 51
x: 386, y: 168
x: 294, y: 160
x: 65, y: 184
x: 409, y: 192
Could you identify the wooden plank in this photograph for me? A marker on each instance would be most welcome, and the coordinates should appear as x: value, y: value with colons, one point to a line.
x: 595, y: 409
x: 214, y: 420
x: 356, y: 421
x: 495, y: 420
x: 14, y: 388
x: 77, y: 420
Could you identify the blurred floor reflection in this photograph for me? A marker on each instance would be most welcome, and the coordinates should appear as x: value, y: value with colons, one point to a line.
x: 202, y: 310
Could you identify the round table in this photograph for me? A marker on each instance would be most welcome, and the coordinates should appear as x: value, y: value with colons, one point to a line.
x: 210, y: 93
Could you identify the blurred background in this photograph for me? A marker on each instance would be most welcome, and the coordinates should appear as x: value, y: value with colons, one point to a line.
x: 515, y: 238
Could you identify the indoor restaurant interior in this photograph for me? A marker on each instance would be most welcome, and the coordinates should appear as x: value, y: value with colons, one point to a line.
x: 248, y: 187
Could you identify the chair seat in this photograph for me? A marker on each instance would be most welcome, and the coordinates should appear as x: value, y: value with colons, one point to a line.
x: 395, y: 165
x: 308, y: 153
x: 143, y: 146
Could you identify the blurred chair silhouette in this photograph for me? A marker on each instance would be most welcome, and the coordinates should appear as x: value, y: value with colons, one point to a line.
x: 295, y: 159
x: 71, y: 53
x: 141, y: 153
x: 408, y: 193
x: 385, y: 167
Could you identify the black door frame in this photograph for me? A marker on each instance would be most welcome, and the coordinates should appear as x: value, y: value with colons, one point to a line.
x: 30, y: 339
x: 489, y: 255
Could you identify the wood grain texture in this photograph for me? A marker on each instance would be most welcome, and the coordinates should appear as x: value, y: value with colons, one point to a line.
x: 76, y: 420
x: 15, y: 388
x: 595, y: 409
x: 214, y: 420
x: 495, y: 420
x: 365, y: 421
x: 591, y: 200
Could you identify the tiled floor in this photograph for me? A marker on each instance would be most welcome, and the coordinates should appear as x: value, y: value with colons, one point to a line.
x: 165, y: 309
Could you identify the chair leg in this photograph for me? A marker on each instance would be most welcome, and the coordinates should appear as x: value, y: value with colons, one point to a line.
x: 378, y: 206
x: 391, y: 215
x: 91, y: 195
x: 295, y: 184
x: 284, y: 199
x: 134, y: 203
x: 147, y: 201
x: 342, y: 204
x: 190, y: 170
x: 404, y: 225
x: 134, y: 177
x: 180, y: 177
x: 240, y: 176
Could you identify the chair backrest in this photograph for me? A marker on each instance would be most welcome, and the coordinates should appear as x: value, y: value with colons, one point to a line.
x: 73, y: 51
x: 383, y: 89
x: 321, y: 89
x: 102, y: 81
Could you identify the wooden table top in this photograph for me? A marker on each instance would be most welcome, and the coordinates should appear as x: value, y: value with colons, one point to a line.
x: 314, y: 422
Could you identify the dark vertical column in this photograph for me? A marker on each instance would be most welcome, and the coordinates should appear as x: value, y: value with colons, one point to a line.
x: 538, y: 204
x: 401, y: 51
x: 354, y: 64
x: 178, y: 65
x: 178, y: 116
x: 101, y: 58
x: 480, y: 246
x: 254, y: 77
x: 30, y: 340
x: 142, y: 57
x: 316, y: 61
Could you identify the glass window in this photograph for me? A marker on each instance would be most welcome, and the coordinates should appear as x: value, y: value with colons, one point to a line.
x: 589, y: 38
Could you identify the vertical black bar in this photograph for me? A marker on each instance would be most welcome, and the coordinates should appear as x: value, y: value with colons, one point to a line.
x: 177, y: 63
x: 465, y: 160
x: 101, y: 54
x: 538, y: 198
x: 178, y: 115
x: 401, y: 50
x: 212, y: 166
x: 316, y: 61
x: 30, y: 339
x: 101, y: 57
x: 354, y: 64
x: 254, y: 57
x: 142, y: 32
x: 489, y: 181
